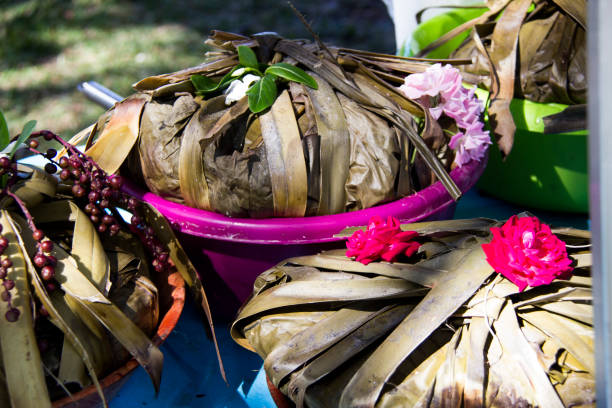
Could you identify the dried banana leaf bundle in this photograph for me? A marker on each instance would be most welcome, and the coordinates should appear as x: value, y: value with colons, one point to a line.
x: 347, y: 142
x: 535, y: 50
x: 438, y: 329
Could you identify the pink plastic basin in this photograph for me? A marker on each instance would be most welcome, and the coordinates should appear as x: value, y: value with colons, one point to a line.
x: 229, y: 253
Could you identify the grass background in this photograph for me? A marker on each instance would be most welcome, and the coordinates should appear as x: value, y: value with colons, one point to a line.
x: 47, y: 47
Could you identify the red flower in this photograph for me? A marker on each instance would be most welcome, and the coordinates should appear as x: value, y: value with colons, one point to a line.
x: 381, y: 240
x: 528, y: 253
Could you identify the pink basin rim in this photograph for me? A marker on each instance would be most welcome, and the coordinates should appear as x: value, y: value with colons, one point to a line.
x: 304, y: 230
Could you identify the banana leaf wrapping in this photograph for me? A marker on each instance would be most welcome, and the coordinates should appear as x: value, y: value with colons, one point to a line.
x: 442, y: 329
x: 352, y: 143
x: 534, y: 50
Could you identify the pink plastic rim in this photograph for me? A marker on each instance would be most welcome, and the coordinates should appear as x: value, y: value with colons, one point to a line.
x: 306, y: 230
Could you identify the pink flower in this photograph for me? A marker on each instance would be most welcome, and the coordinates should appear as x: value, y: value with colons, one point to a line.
x: 436, y: 80
x: 528, y: 253
x: 440, y: 90
x: 471, y: 145
x: 381, y: 240
x: 463, y: 107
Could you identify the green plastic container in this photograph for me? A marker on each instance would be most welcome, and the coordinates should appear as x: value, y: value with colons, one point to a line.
x: 543, y: 171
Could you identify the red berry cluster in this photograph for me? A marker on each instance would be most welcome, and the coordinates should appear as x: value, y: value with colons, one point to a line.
x: 98, y: 194
x: 12, y: 314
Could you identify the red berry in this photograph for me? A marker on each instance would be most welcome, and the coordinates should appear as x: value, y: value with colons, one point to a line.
x: 51, y: 260
x: 38, y: 235
x: 76, y: 174
x: 7, y: 263
x: 42, y: 311
x: 84, y: 178
x: 51, y: 286
x: 102, y: 228
x: 40, y: 260
x: 2, y: 272
x: 46, y: 246
x: 108, y: 219
x: 106, y: 193
x: 132, y: 203
x: 94, y: 218
x: 12, y: 315
x: 78, y: 190
x: 64, y: 162
x: 74, y: 162
x: 89, y: 207
x: 163, y: 257
x: 115, y: 182
x: 95, y: 210
x: 65, y: 174
x: 48, y: 135
x: 114, y: 229
x: 5, y: 162
x: 8, y: 284
x: 33, y: 144
x: 4, y: 242
x: 104, y: 203
x: 47, y: 273
x: 136, y: 220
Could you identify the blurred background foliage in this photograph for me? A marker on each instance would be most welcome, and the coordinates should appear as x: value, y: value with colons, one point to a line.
x: 47, y: 47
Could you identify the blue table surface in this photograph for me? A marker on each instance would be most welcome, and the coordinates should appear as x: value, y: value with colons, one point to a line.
x: 191, y: 374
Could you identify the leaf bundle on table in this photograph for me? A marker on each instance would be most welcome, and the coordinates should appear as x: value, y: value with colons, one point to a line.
x: 438, y: 329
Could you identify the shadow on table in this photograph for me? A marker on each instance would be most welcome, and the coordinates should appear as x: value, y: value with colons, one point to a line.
x: 191, y: 376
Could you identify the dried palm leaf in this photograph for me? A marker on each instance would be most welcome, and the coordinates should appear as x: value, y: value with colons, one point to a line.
x: 437, y: 329
x: 340, y: 137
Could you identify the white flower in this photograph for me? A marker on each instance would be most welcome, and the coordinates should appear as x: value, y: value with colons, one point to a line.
x: 237, y: 89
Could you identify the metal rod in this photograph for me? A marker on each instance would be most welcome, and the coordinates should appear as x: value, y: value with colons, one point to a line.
x: 99, y: 94
x: 600, y: 186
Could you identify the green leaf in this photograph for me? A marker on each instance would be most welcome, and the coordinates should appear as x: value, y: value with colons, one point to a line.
x: 262, y: 94
x: 292, y: 73
x: 4, y: 133
x: 203, y: 83
x: 247, y: 57
x: 25, y: 133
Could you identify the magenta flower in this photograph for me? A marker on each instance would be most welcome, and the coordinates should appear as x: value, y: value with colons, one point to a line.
x: 471, y: 144
x: 381, y: 241
x: 526, y: 252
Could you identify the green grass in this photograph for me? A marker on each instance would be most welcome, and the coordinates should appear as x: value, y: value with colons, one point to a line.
x: 48, y: 47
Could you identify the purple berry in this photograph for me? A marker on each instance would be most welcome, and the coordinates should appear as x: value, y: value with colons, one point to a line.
x: 50, y: 168
x: 8, y: 284
x: 51, y: 153
x: 12, y: 315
